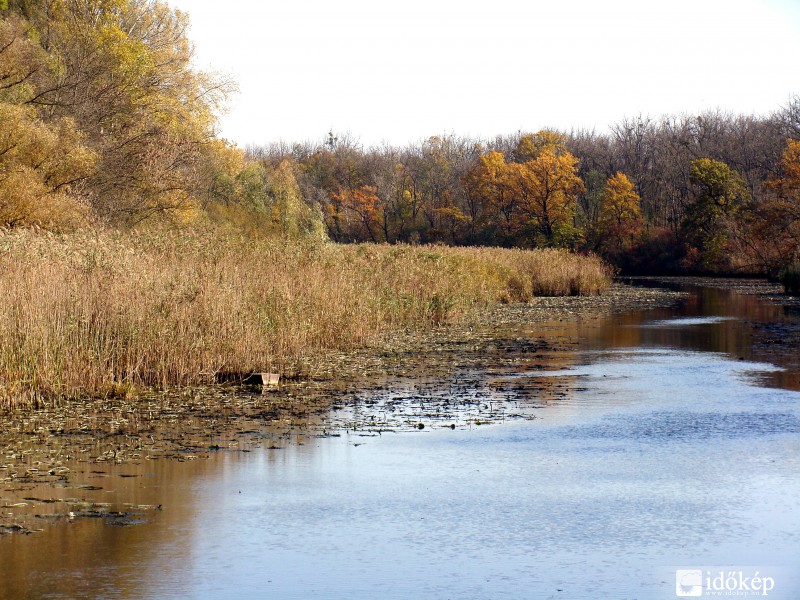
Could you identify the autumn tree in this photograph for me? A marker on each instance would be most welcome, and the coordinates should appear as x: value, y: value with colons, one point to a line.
x: 532, y: 202
x: 491, y: 194
x: 620, y: 203
x: 548, y: 187
x: 355, y: 215
x: 21, y: 60
x: 544, y: 185
x: 258, y: 197
x: 400, y: 213
x: 787, y: 183
x: 120, y: 70
x: 440, y: 168
x: 506, y: 191
x: 42, y: 166
x: 773, y: 237
x: 290, y: 214
x: 620, y: 221
x: 532, y: 145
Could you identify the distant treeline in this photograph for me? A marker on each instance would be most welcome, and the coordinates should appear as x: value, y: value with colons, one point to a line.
x: 713, y: 192
x: 103, y: 120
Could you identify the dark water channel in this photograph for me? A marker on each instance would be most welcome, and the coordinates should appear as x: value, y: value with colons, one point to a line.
x: 673, y: 443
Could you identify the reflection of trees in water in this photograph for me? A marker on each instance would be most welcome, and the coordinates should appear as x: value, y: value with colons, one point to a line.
x: 74, y: 557
x: 754, y: 330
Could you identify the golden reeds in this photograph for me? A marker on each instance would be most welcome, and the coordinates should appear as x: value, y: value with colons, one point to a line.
x: 88, y: 314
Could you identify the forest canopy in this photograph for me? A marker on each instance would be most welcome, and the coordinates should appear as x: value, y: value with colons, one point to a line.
x: 714, y: 193
x: 104, y: 121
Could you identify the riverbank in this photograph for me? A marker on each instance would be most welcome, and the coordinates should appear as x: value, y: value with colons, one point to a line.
x: 49, y: 450
x: 391, y: 386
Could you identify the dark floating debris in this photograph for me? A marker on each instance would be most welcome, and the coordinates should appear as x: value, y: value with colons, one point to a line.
x: 14, y: 528
x: 268, y: 380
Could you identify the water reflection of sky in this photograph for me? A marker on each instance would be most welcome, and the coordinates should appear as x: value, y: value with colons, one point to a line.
x: 687, y: 321
x: 698, y: 468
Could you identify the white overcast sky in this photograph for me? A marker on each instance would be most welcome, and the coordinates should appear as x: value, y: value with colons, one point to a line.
x: 399, y: 72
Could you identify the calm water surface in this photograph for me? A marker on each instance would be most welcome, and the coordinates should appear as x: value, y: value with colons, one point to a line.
x: 675, y: 445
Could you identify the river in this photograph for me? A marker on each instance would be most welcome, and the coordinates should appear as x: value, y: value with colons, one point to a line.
x: 667, y: 446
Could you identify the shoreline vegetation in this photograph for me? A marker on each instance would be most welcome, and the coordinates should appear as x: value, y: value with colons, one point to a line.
x: 102, y: 313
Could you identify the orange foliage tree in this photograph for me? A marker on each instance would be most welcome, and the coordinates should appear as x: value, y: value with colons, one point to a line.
x: 356, y: 214
x: 774, y: 235
x: 531, y: 201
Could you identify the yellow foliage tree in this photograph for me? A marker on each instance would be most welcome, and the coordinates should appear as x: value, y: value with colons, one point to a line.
x: 121, y: 70
x: 620, y: 222
x: 533, y: 144
x: 490, y: 188
x: 41, y: 166
x: 787, y: 185
x: 21, y: 60
x: 533, y: 201
x: 548, y: 186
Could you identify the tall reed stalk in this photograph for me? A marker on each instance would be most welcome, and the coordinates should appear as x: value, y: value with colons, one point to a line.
x: 89, y: 314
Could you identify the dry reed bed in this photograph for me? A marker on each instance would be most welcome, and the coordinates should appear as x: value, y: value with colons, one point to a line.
x: 99, y: 313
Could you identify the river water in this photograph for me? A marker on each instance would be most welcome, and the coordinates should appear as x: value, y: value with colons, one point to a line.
x: 673, y: 443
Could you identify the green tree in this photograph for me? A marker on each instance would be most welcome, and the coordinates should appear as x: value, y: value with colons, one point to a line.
x: 290, y: 214
x: 719, y: 193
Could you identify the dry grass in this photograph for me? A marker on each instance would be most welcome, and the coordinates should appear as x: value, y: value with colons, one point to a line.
x: 99, y: 313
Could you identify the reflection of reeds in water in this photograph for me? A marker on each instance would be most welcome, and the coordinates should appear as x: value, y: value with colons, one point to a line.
x: 97, y: 313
